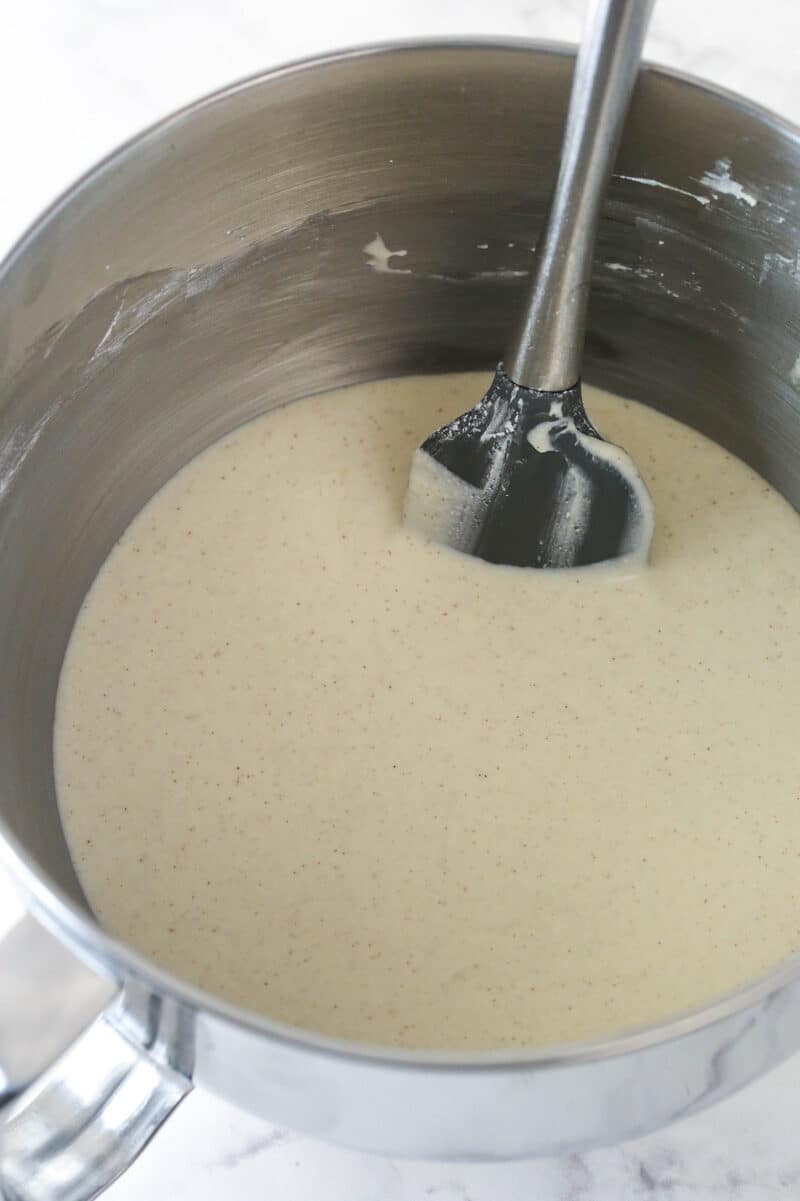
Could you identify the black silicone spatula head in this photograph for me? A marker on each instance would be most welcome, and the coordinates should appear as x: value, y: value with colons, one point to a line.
x: 524, y: 478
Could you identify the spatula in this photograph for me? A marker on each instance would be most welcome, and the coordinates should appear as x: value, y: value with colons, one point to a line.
x: 524, y: 478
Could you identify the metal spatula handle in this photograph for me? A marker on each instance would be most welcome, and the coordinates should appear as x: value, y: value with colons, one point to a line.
x: 547, y: 348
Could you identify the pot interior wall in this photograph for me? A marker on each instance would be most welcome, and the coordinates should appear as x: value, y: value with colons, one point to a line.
x: 217, y: 269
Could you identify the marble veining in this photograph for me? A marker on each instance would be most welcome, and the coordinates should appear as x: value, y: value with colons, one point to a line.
x: 80, y: 79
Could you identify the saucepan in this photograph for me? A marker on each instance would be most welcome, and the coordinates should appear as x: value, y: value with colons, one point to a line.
x: 362, y: 215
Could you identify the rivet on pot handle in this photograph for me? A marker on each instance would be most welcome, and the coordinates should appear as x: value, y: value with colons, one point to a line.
x: 75, y: 1119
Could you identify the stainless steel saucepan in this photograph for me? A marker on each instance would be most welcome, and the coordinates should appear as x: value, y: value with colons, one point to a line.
x: 232, y: 258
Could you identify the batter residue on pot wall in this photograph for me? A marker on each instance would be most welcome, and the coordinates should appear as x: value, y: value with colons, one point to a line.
x: 372, y: 787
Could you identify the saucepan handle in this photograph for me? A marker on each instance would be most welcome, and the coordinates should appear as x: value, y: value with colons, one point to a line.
x: 89, y: 1070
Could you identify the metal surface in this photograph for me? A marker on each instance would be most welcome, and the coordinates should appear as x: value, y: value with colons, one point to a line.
x: 38, y: 1021
x: 88, y: 1117
x: 546, y: 351
x: 208, y: 269
x: 77, y: 1115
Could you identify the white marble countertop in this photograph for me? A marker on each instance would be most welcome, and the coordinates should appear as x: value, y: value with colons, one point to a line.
x: 77, y: 79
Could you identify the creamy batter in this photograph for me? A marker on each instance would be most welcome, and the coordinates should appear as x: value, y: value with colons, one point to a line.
x: 376, y: 788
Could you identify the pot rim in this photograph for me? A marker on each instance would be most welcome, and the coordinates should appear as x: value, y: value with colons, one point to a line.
x: 80, y: 931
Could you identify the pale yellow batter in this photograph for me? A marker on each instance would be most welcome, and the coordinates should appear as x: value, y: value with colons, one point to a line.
x: 382, y: 790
